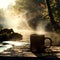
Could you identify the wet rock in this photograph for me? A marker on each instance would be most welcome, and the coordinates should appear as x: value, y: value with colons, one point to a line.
x: 16, y: 36
x: 8, y: 34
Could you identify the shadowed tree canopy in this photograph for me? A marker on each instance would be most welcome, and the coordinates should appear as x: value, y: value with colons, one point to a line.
x: 52, y: 17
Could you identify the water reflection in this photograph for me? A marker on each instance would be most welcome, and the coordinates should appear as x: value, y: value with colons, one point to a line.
x: 9, y: 44
x: 5, y: 47
x: 16, y: 43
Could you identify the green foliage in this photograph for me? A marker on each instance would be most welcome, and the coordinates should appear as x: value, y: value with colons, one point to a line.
x: 31, y: 5
x: 53, y: 10
x: 55, y: 6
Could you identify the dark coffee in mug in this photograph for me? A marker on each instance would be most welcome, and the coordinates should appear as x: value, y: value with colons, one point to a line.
x: 37, y: 42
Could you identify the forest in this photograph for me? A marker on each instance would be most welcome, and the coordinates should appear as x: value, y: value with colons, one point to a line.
x: 41, y: 10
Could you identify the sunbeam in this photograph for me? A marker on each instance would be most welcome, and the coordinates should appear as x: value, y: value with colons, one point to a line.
x: 5, y: 3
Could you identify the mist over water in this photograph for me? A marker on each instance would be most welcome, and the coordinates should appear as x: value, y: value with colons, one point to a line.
x: 19, y: 22
x: 25, y: 21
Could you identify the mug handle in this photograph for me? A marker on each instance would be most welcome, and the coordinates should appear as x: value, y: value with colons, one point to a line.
x: 50, y: 41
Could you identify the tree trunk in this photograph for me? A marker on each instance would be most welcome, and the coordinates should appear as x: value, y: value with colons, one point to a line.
x: 54, y: 23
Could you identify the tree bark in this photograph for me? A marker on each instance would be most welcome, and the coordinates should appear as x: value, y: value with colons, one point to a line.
x: 54, y: 23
